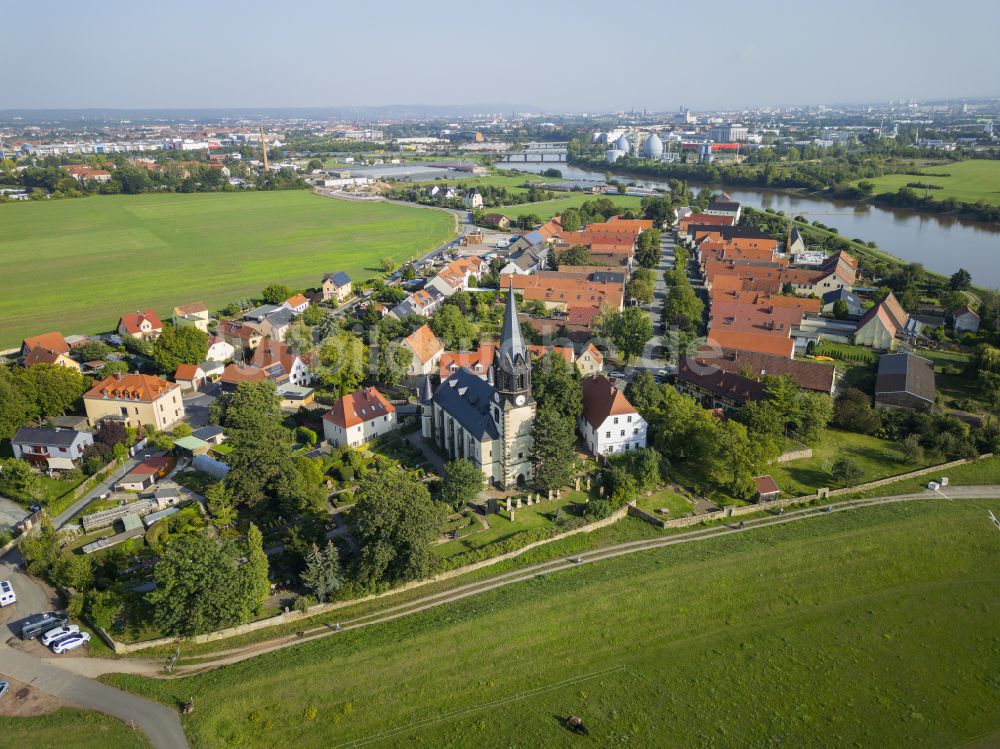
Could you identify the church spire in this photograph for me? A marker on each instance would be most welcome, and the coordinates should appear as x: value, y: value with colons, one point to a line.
x: 511, y: 362
x: 511, y: 341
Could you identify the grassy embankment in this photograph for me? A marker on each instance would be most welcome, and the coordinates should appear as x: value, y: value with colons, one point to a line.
x: 967, y: 181
x: 77, y: 265
x: 868, y: 628
x: 67, y: 727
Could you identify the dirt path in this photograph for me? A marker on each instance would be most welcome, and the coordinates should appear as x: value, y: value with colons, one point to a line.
x: 235, y: 655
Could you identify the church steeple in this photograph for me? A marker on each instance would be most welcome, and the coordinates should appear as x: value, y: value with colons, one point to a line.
x: 511, y: 362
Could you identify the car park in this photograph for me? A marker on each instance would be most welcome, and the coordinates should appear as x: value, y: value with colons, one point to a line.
x: 70, y: 642
x: 57, y: 633
x: 40, y: 623
x: 7, y: 594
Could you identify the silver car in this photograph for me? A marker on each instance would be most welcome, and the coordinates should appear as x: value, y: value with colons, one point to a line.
x: 57, y: 633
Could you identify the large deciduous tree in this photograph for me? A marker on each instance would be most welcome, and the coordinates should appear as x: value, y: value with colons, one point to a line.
x: 553, y: 438
x: 258, y: 440
x: 461, y: 483
x: 395, y: 522
x: 175, y: 346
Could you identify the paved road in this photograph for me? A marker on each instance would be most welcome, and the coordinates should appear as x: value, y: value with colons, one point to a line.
x: 161, y: 724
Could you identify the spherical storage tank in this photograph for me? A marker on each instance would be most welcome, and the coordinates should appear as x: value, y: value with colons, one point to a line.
x: 623, y: 145
x: 653, y: 147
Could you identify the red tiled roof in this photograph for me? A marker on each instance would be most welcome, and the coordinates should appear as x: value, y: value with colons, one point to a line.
x: 602, y: 399
x: 364, y: 405
x: 133, y: 321
x: 424, y: 343
x: 765, y: 343
x: 296, y: 300
x: 51, y: 341
x: 138, y: 387
x: 765, y: 485
x: 186, y: 372
x: 234, y: 374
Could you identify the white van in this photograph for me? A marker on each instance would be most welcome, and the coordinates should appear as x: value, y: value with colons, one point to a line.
x: 7, y: 595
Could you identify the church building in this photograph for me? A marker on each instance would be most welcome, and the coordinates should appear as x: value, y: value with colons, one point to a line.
x: 487, y: 421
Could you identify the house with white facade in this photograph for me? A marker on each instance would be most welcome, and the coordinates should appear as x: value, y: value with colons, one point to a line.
x: 358, y: 418
x: 220, y: 350
x: 50, y: 449
x: 609, y: 423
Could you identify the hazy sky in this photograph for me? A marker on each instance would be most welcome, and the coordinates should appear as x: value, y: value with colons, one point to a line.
x: 561, y: 55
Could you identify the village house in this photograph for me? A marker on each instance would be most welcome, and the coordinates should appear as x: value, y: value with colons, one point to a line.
x: 422, y: 303
x: 140, y: 325
x: 241, y: 336
x: 50, y: 449
x: 271, y: 355
x: 82, y: 173
x: 590, y: 361
x: 235, y: 373
x: 135, y: 400
x: 193, y: 315
x: 47, y: 341
x: 337, y: 287
x: 220, y: 350
x: 880, y: 325
x: 296, y: 304
x: 42, y: 355
x: 609, y: 423
x: 358, y: 418
x: 717, y: 388
x: 473, y: 199
x: 724, y: 207
x: 190, y: 377
x: 456, y: 275
x: 426, y: 349
x: 965, y: 319
x: 808, y: 375
x: 904, y: 381
x: 496, y: 220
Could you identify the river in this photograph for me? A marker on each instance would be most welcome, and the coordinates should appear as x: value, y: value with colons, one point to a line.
x: 943, y: 244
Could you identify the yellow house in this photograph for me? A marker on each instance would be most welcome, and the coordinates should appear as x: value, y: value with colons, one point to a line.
x: 39, y: 355
x: 336, y: 287
x: 135, y: 400
x: 590, y: 361
x: 192, y: 315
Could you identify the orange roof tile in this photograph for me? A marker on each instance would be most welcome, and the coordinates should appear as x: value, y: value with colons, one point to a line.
x: 136, y: 387
x: 51, y: 341
x: 364, y: 405
x: 602, y: 399
x: 424, y: 343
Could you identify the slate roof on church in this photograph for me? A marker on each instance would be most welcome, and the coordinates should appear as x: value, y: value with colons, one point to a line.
x: 467, y: 398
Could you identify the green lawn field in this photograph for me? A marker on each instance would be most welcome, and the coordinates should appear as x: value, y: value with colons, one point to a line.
x: 867, y: 628
x: 76, y: 265
x: 549, y: 208
x: 73, y: 729
x: 969, y: 181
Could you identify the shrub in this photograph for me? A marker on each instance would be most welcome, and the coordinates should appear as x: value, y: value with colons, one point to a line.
x: 302, y: 603
x: 310, y: 713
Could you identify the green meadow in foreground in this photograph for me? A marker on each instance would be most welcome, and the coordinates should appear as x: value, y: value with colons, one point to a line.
x: 874, y: 627
x: 69, y: 728
x: 77, y: 265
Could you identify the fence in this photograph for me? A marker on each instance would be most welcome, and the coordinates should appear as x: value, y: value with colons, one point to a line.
x: 775, y: 504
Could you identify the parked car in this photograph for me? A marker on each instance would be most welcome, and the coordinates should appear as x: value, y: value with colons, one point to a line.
x: 70, y: 642
x: 39, y: 623
x: 4, y: 687
x: 618, y: 374
x: 7, y: 594
x: 57, y: 633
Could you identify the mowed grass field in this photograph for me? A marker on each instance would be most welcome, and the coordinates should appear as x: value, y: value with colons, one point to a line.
x: 867, y: 628
x: 70, y: 728
x: 969, y: 181
x: 549, y: 208
x: 76, y: 265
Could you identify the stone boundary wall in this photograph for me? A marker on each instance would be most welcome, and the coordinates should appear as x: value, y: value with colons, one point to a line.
x: 322, y: 608
x: 794, y: 455
x: 775, y: 504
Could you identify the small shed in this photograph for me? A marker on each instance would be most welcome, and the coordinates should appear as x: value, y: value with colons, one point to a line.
x: 131, y: 522
x: 767, y: 488
x: 191, y: 445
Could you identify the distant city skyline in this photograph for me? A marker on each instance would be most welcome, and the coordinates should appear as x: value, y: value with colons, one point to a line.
x: 559, y: 57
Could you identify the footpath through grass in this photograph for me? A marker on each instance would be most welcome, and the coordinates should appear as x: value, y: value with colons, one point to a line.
x: 73, y: 729
x: 874, y: 627
x: 77, y: 265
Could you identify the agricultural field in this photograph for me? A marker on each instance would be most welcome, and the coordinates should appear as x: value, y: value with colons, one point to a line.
x: 76, y: 265
x: 870, y: 628
x: 549, y: 208
x: 968, y: 181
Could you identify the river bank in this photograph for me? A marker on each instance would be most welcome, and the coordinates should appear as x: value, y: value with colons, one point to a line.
x: 941, y: 243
